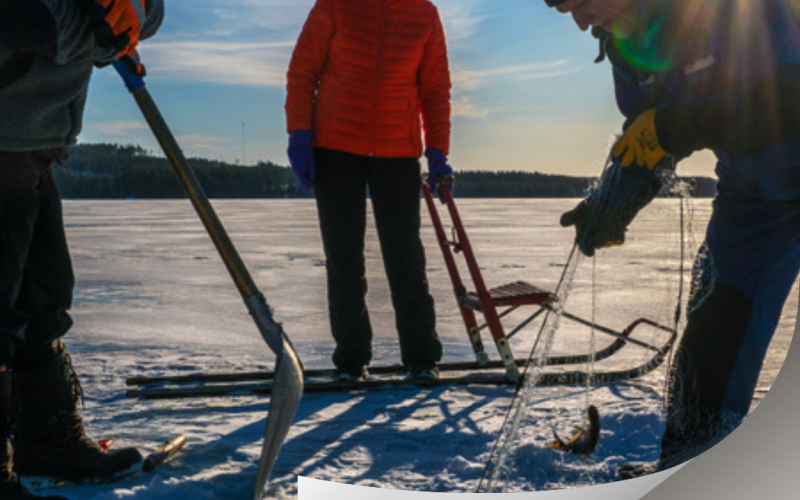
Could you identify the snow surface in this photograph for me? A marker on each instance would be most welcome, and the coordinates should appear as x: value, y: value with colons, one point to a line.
x: 153, y: 298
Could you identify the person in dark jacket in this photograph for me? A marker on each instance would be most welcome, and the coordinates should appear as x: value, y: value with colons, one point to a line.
x: 48, y: 49
x: 364, y: 78
x: 724, y: 76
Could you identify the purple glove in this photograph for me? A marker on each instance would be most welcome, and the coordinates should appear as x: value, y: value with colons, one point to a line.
x: 301, y: 157
x: 438, y: 167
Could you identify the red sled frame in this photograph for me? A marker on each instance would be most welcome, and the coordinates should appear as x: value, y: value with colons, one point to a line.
x: 515, y: 295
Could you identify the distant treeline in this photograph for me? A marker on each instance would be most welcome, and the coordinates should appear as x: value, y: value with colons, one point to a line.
x: 113, y: 171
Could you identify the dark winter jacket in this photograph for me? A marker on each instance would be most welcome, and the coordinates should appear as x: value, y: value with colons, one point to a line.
x: 723, y: 76
x: 47, y: 53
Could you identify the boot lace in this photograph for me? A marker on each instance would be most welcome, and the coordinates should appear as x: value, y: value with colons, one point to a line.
x: 68, y: 430
x: 68, y: 425
x: 77, y: 388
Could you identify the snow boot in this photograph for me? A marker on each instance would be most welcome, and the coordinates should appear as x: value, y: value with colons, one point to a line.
x: 50, y: 439
x: 10, y: 487
x: 669, y: 458
x: 358, y: 375
x: 422, y: 374
x: 632, y: 470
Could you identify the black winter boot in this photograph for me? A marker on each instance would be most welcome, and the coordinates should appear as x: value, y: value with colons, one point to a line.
x: 50, y: 438
x: 10, y: 487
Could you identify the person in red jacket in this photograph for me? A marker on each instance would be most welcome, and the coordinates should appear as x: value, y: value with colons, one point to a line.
x: 366, y: 78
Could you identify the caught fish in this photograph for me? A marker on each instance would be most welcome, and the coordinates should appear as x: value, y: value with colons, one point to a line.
x: 583, y: 440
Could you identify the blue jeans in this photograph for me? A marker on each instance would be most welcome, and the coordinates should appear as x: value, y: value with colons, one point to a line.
x: 743, y: 276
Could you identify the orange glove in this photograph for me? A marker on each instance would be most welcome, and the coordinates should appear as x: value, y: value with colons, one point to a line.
x: 639, y: 143
x: 117, y: 23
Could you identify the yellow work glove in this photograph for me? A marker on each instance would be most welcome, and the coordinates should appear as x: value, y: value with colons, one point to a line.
x: 639, y: 143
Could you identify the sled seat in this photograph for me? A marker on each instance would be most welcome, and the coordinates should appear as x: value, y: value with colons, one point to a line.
x: 518, y: 293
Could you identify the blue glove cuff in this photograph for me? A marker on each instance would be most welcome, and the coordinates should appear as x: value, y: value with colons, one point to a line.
x: 433, y: 154
x: 437, y: 162
x: 301, y: 138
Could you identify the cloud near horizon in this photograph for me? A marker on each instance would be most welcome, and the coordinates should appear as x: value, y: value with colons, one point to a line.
x: 464, y: 107
x: 472, y: 79
x: 119, y: 129
x: 261, y: 64
x: 200, y: 141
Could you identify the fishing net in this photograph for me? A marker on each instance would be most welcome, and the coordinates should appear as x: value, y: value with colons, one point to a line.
x: 644, y: 278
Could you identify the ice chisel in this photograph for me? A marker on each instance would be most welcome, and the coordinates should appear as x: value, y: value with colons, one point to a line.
x: 288, y: 369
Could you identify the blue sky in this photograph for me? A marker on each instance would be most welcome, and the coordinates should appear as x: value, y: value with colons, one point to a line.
x: 526, y: 93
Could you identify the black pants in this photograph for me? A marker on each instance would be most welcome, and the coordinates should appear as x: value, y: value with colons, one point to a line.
x: 394, y: 185
x: 36, y: 279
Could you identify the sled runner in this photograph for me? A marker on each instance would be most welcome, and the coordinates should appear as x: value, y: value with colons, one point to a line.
x: 381, y: 378
x: 388, y: 377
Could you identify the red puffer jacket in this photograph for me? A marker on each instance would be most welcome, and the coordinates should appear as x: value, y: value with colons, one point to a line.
x: 362, y: 73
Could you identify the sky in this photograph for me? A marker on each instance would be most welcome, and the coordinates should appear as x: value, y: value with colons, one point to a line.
x: 526, y: 92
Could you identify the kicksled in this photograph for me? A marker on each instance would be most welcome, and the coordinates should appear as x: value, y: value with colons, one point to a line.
x: 481, y: 309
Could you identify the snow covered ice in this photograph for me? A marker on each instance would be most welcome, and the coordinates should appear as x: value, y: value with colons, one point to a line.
x: 153, y: 298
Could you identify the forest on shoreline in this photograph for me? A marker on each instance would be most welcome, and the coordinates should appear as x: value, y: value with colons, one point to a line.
x: 112, y: 171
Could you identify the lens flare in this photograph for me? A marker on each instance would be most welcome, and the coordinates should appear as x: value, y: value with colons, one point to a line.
x: 645, y: 50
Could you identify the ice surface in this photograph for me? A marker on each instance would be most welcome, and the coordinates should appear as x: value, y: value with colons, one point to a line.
x: 153, y: 298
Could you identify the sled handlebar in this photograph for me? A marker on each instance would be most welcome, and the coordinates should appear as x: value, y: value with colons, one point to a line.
x: 625, y: 334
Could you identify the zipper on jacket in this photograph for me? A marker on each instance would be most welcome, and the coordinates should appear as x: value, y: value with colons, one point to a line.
x: 375, y: 99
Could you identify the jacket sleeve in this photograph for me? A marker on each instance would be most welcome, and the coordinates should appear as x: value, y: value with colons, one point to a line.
x: 758, y: 102
x: 155, y: 16
x: 743, y: 120
x: 305, y: 68
x: 434, y: 89
x: 60, y: 29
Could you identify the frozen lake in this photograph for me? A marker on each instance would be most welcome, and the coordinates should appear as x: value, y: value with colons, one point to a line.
x: 148, y: 276
x: 153, y: 298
